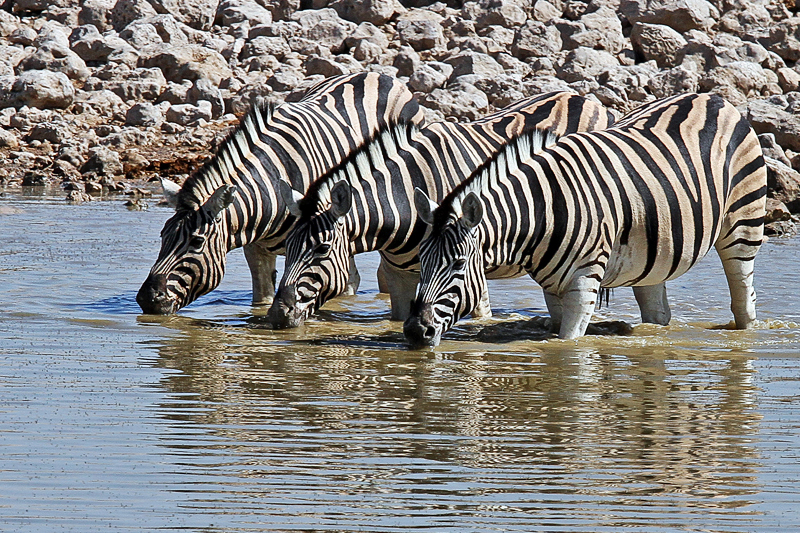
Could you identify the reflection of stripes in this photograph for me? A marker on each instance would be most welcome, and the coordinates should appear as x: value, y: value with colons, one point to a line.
x: 381, y: 216
x: 294, y: 142
x: 634, y: 205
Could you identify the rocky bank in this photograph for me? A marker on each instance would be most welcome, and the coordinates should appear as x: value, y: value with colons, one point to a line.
x: 100, y: 96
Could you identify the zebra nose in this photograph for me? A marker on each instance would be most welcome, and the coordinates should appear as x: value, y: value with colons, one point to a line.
x: 284, y: 311
x: 152, y: 296
x: 419, y: 331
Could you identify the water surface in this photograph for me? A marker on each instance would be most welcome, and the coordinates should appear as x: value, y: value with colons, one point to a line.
x: 209, y: 421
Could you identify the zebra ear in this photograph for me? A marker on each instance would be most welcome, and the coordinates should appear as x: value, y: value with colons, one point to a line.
x: 425, y: 206
x: 290, y: 197
x: 471, y: 210
x: 341, y: 199
x: 219, y: 200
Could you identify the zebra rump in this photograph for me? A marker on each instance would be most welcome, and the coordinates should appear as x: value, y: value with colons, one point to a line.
x: 635, y: 205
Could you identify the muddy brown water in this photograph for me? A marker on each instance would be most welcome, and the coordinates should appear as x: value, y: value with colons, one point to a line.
x: 209, y: 421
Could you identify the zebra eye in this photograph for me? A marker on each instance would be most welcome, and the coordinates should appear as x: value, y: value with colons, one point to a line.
x: 197, y: 242
x: 322, y: 249
x: 459, y: 264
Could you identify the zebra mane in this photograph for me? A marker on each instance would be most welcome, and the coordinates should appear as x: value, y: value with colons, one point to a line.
x: 216, y: 171
x: 385, y: 143
x: 506, y: 160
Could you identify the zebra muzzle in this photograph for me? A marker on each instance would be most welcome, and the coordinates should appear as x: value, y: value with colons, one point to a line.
x: 419, y: 329
x: 286, y: 310
x: 153, y: 297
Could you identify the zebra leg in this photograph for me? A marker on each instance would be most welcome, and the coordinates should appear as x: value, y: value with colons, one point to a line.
x: 383, y: 285
x: 483, y: 309
x: 353, y: 279
x: 262, y: 272
x: 578, y: 303
x: 740, y: 283
x: 653, y: 303
x: 402, y: 287
x: 556, y: 309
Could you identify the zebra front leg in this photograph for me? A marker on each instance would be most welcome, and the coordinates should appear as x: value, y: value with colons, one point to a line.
x: 262, y: 272
x: 484, y: 308
x: 402, y: 286
x: 556, y: 309
x: 578, y: 304
x: 353, y: 279
x: 653, y: 303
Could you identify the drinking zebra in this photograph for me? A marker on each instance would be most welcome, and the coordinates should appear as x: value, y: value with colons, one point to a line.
x: 634, y: 205
x: 366, y: 203
x: 232, y: 201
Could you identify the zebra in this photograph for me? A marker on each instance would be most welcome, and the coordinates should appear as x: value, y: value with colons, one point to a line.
x: 366, y: 204
x: 635, y: 205
x: 232, y: 201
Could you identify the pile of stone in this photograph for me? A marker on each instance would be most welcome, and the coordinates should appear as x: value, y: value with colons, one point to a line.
x: 99, y: 93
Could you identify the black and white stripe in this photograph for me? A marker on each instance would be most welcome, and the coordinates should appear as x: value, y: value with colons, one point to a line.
x: 232, y: 201
x: 634, y: 205
x: 367, y: 203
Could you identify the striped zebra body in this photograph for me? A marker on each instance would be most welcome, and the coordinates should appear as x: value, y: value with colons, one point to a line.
x: 635, y: 205
x: 233, y: 200
x: 373, y: 208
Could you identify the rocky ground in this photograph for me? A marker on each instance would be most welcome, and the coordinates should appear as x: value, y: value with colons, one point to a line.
x: 99, y: 96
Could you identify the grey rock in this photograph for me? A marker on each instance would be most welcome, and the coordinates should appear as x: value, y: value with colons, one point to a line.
x: 420, y: 34
x: 367, y: 51
x: 773, y: 116
x: 96, y: 13
x: 742, y: 77
x: 600, y: 30
x: 586, y: 63
x: 28, y: 6
x: 55, y: 58
x: 657, y: 42
x: 54, y: 132
x: 126, y: 11
x: 783, y: 183
x: 325, y: 67
x: 198, y: 14
x: 789, y: 79
x: 784, y: 39
x: 494, y: 13
x: 463, y: 101
x: 771, y: 148
x: 189, y: 62
x: 285, y: 79
x: 101, y: 102
x: 545, y: 11
x: 176, y: 93
x: 274, y: 46
x: 368, y: 32
x: 374, y: 11
x: 23, y: 35
x: 502, y: 90
x: 89, y: 44
x: 676, y: 80
x: 481, y: 65
x: 430, y: 76
x: 103, y: 162
x: 325, y: 27
x: 235, y: 11
x: 8, y: 139
x: 156, y: 30
x: 204, y: 90
x: 37, y: 88
x: 536, y: 39
x: 144, y: 114
x: 682, y: 15
x: 406, y: 61
x: 134, y: 85
x: 185, y: 114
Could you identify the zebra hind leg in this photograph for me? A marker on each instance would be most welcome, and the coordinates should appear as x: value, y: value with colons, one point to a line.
x: 353, y: 278
x: 262, y: 272
x: 578, y: 304
x: 556, y: 309
x: 653, y: 303
x: 738, y: 266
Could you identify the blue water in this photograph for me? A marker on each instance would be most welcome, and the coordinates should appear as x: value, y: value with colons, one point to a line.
x: 209, y: 421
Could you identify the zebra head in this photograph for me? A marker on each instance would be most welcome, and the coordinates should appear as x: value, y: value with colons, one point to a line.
x: 191, y: 261
x: 317, y: 253
x: 452, y: 277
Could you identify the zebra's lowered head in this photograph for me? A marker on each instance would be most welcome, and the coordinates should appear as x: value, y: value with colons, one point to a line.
x: 191, y: 261
x: 452, y: 279
x: 317, y: 252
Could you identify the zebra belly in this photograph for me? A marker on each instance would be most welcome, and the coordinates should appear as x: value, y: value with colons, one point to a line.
x: 505, y: 272
x: 628, y: 266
